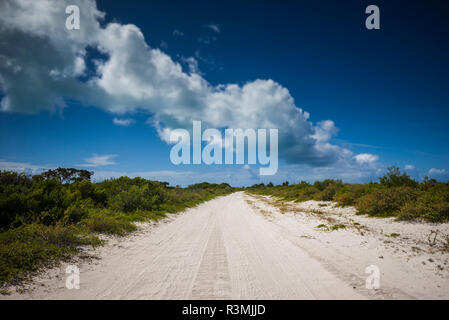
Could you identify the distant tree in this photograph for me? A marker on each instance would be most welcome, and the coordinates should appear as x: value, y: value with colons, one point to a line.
x: 256, y: 185
x: 16, y: 178
x: 303, y: 184
x: 270, y: 184
x: 284, y: 184
x: 428, y: 180
x: 394, y: 178
x: 67, y: 175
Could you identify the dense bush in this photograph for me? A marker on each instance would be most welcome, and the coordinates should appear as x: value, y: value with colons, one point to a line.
x: 396, y: 194
x: 43, y: 218
x: 347, y: 195
x: 328, y: 188
x: 386, y: 201
x: 394, y: 178
x: 108, y: 222
x: 32, y: 246
x: 431, y: 205
x: 320, y: 190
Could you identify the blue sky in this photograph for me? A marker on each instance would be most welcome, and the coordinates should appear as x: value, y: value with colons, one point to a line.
x: 385, y: 91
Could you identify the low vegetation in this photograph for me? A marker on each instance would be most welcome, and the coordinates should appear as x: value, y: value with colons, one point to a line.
x: 331, y: 227
x: 394, y: 195
x: 45, y: 218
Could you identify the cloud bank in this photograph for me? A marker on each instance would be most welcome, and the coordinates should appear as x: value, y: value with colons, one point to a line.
x: 43, y: 65
x: 22, y: 166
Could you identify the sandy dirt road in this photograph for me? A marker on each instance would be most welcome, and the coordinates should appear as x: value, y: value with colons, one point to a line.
x: 228, y: 248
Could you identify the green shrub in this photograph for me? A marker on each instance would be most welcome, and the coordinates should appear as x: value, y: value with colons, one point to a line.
x: 306, y: 194
x: 34, y: 246
x: 385, y: 202
x: 347, y: 195
x: 77, y: 212
x: 345, y: 199
x: 144, y: 215
x: 394, y: 178
x: 430, y: 206
x: 328, y: 193
x: 109, y: 222
x: 337, y: 226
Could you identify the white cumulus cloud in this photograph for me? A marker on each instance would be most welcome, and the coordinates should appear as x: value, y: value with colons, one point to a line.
x: 366, y: 158
x: 435, y: 171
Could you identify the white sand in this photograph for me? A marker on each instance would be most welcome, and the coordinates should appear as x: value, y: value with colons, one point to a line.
x: 240, y: 247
